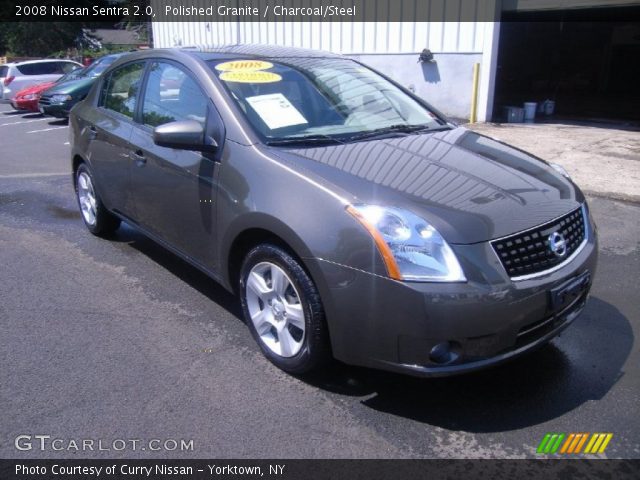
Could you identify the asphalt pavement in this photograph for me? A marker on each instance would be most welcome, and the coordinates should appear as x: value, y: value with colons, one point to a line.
x: 118, y: 339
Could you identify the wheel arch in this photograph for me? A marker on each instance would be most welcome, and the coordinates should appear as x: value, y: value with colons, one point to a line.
x: 255, y: 229
x: 76, y: 161
x: 264, y: 229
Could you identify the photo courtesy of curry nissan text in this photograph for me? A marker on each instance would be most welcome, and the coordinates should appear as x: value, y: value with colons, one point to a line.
x: 351, y: 218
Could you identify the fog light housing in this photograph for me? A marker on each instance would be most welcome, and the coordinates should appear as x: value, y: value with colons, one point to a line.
x: 445, y: 352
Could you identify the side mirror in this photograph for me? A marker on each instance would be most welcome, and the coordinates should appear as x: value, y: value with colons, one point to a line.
x: 184, y: 135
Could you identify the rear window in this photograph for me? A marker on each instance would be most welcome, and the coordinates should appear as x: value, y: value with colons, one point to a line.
x: 43, y: 68
x: 66, y: 67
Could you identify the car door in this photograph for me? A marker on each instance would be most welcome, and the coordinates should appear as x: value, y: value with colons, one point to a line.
x: 109, y: 128
x: 34, y: 73
x: 175, y: 189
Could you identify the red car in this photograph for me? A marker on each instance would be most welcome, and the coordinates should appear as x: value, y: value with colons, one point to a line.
x: 27, y: 99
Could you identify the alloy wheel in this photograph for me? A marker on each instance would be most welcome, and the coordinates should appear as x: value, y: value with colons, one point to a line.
x: 87, y: 198
x: 275, y: 309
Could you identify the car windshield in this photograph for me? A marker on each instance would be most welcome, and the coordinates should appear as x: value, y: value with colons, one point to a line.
x: 326, y: 99
x: 72, y: 75
x: 97, y: 67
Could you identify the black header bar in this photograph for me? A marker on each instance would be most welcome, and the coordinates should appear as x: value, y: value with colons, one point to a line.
x: 16, y: 469
x: 112, y: 11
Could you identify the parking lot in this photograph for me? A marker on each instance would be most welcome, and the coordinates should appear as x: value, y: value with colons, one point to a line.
x: 120, y: 339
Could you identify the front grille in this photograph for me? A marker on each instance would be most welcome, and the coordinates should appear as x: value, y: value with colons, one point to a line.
x: 44, y: 101
x: 529, y: 252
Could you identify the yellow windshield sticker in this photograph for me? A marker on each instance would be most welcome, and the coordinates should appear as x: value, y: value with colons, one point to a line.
x: 250, y: 77
x: 243, y: 66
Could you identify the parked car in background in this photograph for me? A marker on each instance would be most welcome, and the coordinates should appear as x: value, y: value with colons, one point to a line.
x: 17, y: 76
x: 58, y: 100
x: 352, y: 219
x: 27, y: 99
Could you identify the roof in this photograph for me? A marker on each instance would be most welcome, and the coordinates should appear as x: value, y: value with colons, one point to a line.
x: 116, y: 37
x: 264, y: 51
x: 111, y: 55
x: 272, y: 53
x: 43, y: 60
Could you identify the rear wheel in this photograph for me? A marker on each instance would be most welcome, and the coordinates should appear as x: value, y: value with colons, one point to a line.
x: 96, y: 217
x: 283, y: 310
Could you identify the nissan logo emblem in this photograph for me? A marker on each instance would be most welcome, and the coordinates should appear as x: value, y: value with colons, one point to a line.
x: 557, y: 244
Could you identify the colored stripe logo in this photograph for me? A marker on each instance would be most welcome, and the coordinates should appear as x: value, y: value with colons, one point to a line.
x: 573, y: 443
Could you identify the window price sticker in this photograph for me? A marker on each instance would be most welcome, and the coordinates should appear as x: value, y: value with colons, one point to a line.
x: 276, y: 110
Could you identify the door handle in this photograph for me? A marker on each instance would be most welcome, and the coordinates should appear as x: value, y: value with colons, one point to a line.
x: 93, y: 132
x: 138, y: 156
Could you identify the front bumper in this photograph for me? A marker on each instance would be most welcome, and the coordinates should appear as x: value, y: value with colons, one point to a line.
x: 58, y: 110
x: 29, y: 105
x: 382, y: 323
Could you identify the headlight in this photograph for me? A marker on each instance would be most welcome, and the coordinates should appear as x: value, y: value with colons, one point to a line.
x: 560, y: 169
x: 411, y: 247
x: 30, y: 96
x: 60, y: 98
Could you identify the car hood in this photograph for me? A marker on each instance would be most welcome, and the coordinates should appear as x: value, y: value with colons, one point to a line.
x: 470, y: 187
x: 72, y: 86
x: 34, y: 89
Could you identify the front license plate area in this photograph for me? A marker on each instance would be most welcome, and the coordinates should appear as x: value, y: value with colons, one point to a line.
x: 563, y: 295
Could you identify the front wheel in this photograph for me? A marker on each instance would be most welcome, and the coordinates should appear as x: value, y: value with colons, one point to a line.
x: 283, y: 310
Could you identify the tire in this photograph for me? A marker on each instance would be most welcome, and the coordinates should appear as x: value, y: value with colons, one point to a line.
x: 96, y: 217
x: 283, y: 310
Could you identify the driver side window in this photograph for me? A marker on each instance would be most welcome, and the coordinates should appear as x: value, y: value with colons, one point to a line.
x: 120, y: 90
x: 172, y: 95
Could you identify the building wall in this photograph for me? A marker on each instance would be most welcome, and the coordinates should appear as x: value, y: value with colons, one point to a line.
x: 344, y: 37
x: 445, y: 83
x: 391, y: 47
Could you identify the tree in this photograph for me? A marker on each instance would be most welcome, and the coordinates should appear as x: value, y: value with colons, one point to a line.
x: 141, y: 23
x: 39, y: 39
x: 4, y: 31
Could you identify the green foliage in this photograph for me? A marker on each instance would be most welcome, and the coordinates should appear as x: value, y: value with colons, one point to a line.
x: 155, y: 118
x: 4, y: 30
x: 38, y: 39
x: 90, y: 52
x: 44, y: 39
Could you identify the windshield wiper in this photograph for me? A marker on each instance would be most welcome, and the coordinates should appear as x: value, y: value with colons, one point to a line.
x: 400, y: 128
x: 307, y: 139
x: 328, y: 139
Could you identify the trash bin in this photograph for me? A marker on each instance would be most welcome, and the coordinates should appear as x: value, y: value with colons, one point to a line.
x: 530, y: 111
x: 549, y: 107
x: 514, y: 114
